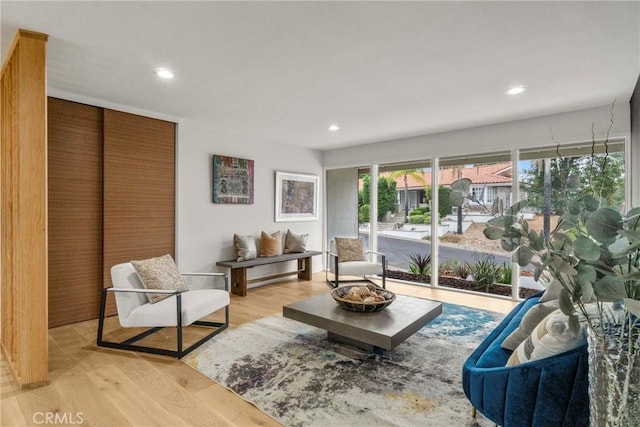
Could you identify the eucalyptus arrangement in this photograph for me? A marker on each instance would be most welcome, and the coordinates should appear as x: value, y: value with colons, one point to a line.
x: 593, y: 254
x: 593, y: 257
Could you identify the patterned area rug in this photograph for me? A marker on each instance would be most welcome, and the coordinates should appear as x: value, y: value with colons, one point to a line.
x: 290, y: 371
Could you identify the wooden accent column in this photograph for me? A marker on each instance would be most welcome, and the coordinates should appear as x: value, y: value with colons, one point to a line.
x: 23, y: 115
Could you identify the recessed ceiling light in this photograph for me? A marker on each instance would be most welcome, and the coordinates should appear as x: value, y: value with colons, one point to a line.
x: 334, y: 128
x: 164, y: 73
x: 516, y: 90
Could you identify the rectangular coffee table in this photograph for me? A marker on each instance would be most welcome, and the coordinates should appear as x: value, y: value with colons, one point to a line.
x: 369, y: 331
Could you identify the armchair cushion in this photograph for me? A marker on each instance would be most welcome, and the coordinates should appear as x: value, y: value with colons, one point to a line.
x: 159, y: 273
x: 195, y: 305
x: 349, y: 249
x: 295, y: 243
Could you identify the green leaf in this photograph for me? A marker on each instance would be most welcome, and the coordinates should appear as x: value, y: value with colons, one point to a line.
x: 632, y: 235
x: 633, y: 306
x: 603, y: 224
x: 517, y: 207
x: 574, y: 325
x: 523, y: 256
x: 610, y: 289
x: 456, y: 199
x: 536, y: 241
x: 632, y: 218
x: 525, y: 226
x: 590, y: 203
x: 586, y: 249
x: 573, y: 182
x: 493, y: 233
x: 566, y: 305
x: 497, y: 222
x: 562, y: 266
x: 587, y: 292
x: 558, y: 241
x: 509, y: 243
x: 462, y: 184
x: 574, y: 207
x: 586, y: 273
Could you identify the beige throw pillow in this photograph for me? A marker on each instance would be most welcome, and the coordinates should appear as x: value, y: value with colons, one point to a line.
x: 549, y: 338
x: 529, y: 321
x: 159, y: 273
x: 349, y: 249
x: 295, y: 243
x: 270, y: 245
x: 245, y: 247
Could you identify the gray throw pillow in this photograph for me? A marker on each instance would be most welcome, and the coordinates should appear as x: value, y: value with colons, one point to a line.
x: 159, y: 273
x: 295, y: 243
x: 528, y: 323
x: 245, y: 247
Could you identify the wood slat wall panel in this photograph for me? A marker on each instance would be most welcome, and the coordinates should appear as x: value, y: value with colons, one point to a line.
x: 75, y: 211
x: 139, y: 189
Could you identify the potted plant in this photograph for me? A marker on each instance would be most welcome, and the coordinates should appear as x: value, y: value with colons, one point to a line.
x: 593, y: 255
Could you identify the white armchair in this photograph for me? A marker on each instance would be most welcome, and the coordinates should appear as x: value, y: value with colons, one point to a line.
x: 371, y: 264
x: 179, y: 310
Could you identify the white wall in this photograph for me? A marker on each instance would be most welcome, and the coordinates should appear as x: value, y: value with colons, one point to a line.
x: 567, y: 128
x: 204, y: 229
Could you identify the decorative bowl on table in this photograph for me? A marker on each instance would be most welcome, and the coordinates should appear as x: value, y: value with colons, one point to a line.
x: 363, y: 298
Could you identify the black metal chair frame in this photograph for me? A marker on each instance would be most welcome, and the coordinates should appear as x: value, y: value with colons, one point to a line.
x: 180, y: 352
x: 336, y: 281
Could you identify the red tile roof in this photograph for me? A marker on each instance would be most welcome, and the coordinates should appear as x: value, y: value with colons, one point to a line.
x: 496, y: 173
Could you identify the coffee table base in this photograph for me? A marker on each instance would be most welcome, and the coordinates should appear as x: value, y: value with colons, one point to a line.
x: 355, y: 343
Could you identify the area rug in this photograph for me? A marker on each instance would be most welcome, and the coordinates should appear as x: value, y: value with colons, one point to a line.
x: 290, y: 371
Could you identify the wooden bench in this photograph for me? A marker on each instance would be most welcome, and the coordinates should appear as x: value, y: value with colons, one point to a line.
x: 239, y: 280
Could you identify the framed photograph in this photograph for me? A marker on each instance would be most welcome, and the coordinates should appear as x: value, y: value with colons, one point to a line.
x: 232, y: 180
x: 296, y: 197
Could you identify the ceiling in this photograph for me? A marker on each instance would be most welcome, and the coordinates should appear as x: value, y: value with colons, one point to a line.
x: 284, y: 71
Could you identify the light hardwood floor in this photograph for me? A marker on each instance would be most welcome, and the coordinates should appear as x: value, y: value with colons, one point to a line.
x: 103, y: 387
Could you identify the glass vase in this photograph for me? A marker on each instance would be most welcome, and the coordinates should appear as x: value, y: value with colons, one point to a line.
x: 614, y: 374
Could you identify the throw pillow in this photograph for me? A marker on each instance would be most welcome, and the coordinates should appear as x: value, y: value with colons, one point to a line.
x: 349, y: 249
x: 529, y: 321
x: 270, y: 245
x: 551, y: 337
x: 159, y: 273
x: 245, y: 247
x: 294, y: 243
x: 553, y: 288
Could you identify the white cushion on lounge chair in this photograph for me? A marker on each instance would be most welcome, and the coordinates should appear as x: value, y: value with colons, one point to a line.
x: 134, y: 309
x: 357, y: 268
x: 195, y: 305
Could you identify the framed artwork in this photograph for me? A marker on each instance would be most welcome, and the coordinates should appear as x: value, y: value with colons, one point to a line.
x: 232, y: 180
x: 296, y: 197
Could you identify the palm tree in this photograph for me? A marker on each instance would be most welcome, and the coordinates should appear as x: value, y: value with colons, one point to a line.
x: 417, y: 174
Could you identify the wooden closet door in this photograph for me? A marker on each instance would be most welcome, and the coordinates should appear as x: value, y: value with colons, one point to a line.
x: 139, y: 189
x: 75, y: 211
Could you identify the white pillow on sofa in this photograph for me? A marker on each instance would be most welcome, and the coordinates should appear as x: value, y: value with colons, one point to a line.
x: 529, y: 321
x: 551, y: 337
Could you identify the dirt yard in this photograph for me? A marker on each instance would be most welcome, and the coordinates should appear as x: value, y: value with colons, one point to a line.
x: 473, y: 237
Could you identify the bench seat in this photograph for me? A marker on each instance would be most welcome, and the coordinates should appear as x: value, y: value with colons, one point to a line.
x: 238, y: 275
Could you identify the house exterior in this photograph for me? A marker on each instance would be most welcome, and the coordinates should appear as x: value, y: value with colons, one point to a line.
x: 488, y: 182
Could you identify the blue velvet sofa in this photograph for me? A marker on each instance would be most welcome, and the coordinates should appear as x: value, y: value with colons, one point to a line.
x: 544, y: 393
